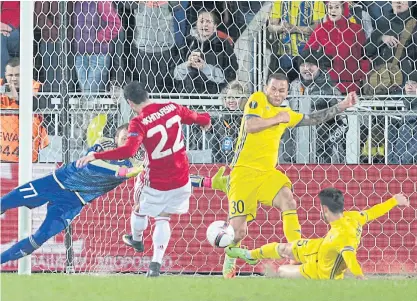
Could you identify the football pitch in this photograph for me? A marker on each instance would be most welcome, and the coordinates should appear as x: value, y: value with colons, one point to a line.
x: 54, y: 287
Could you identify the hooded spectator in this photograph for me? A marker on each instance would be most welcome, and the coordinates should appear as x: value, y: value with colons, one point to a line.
x: 315, y: 86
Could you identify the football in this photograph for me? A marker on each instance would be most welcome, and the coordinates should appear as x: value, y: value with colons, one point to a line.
x: 220, y: 234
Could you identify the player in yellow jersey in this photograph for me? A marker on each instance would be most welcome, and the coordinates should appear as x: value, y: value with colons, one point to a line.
x: 328, y: 257
x: 254, y: 176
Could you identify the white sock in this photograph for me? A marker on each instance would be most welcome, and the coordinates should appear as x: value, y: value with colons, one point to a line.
x: 138, y: 224
x: 161, y: 236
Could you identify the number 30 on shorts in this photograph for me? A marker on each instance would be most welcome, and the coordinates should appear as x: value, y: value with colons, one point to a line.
x: 237, y: 207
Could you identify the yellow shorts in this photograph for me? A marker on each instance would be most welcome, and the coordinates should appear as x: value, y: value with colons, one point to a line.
x: 305, y: 251
x: 247, y: 187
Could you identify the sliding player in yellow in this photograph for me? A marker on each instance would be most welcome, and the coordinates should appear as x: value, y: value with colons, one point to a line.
x: 254, y: 176
x: 328, y: 257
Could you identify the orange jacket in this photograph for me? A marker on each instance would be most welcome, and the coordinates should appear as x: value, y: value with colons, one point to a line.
x: 9, y: 131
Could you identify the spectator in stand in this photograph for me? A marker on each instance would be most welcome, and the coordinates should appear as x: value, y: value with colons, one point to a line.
x: 96, y: 24
x: 226, y: 126
x: 208, y: 63
x: 9, y: 32
x: 386, y: 38
x: 402, y: 139
x: 47, y: 19
x: 196, y: 6
x: 9, y: 123
x: 358, y: 14
x: 344, y: 42
x: 290, y: 25
x: 314, y: 81
x: 154, y: 44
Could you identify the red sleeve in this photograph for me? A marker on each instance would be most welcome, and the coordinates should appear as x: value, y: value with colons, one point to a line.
x: 133, y: 142
x: 190, y: 117
x: 108, y: 15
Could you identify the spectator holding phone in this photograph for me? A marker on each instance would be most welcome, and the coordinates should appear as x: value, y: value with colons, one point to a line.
x: 207, y: 63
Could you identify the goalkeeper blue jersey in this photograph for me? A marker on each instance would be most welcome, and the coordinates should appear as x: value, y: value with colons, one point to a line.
x: 93, y: 180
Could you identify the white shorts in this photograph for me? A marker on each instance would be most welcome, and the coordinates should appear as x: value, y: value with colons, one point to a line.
x: 153, y: 202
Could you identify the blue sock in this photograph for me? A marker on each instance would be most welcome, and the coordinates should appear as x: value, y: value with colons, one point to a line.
x: 17, y: 251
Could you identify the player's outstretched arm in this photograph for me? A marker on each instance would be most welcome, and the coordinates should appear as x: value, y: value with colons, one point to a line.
x: 192, y: 117
x: 321, y: 116
x: 115, y: 169
x: 381, y: 209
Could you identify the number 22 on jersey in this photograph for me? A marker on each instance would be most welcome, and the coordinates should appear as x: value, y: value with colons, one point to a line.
x: 161, y: 149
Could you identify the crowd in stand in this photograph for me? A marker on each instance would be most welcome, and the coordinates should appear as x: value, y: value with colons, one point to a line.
x: 326, y: 48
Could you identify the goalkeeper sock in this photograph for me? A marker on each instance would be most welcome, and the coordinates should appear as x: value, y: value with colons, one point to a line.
x: 19, y: 250
x: 292, y: 228
x: 268, y: 251
x: 138, y: 224
x: 161, y: 236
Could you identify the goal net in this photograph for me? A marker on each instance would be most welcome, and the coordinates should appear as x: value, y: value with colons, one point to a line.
x: 85, y: 52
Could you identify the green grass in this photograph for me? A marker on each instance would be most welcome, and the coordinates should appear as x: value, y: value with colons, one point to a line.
x: 60, y: 287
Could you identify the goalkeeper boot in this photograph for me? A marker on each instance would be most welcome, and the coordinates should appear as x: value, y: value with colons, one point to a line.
x: 154, y: 269
x: 219, y: 182
x: 137, y: 245
x: 240, y: 253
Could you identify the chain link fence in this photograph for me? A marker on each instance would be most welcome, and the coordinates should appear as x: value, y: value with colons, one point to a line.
x: 212, y: 57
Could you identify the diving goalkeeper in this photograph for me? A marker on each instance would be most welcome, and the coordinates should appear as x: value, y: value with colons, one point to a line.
x: 328, y: 257
x: 68, y: 189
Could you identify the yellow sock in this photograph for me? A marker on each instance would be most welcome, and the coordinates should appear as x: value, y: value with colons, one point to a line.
x: 292, y: 228
x: 268, y: 251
